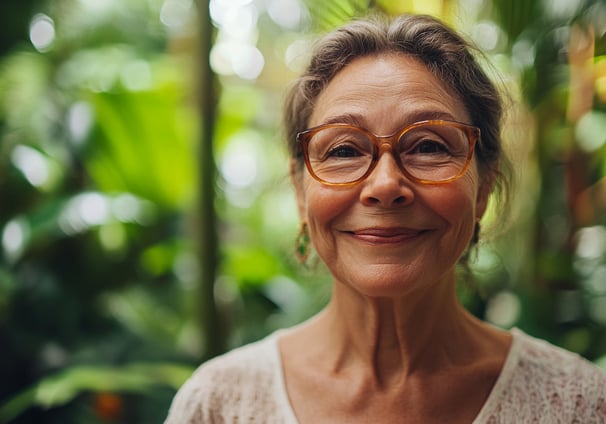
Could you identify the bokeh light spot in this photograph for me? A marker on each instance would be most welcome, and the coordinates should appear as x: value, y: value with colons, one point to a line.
x: 42, y: 32
x: 128, y: 208
x: 79, y: 121
x: 32, y: 164
x: 297, y: 55
x: 84, y: 211
x: 486, y: 35
x: 590, y: 132
x: 286, y: 13
x: 503, y: 309
x: 245, y: 61
x: 14, y: 235
x: 136, y: 76
x: 239, y: 164
x: 523, y: 54
x: 175, y: 13
x: 591, y: 242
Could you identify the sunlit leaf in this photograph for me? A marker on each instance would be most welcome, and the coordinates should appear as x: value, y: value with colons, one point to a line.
x: 329, y: 14
x: 431, y: 7
x: 142, y: 144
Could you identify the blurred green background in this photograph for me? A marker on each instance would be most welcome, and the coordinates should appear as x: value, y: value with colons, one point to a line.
x: 146, y: 218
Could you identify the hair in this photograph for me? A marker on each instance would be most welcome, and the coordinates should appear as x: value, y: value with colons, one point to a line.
x: 445, y: 54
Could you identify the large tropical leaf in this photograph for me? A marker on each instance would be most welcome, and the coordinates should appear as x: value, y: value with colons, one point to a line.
x: 142, y: 144
x: 61, y: 388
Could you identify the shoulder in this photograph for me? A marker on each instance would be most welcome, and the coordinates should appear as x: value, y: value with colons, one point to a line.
x: 231, y: 387
x: 557, y: 366
x: 544, y: 383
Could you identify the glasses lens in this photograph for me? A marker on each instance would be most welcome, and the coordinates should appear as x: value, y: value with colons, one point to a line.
x: 434, y: 152
x: 431, y: 152
x: 339, y: 154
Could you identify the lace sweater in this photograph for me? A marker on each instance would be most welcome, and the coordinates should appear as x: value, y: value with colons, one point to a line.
x: 539, y: 383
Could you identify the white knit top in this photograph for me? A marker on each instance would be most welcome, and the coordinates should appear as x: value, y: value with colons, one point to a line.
x: 539, y: 383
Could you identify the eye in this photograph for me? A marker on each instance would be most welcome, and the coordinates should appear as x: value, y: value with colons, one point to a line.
x: 343, y: 151
x: 338, y: 144
x: 429, y: 146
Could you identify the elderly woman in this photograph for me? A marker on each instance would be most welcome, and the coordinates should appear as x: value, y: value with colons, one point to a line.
x: 394, y: 133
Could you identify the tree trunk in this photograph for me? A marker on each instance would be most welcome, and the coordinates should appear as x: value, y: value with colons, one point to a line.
x: 207, y: 238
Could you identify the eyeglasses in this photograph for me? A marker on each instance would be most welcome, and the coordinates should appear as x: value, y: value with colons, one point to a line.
x: 428, y: 152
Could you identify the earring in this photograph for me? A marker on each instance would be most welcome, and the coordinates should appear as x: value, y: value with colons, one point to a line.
x: 476, y: 234
x: 302, y: 244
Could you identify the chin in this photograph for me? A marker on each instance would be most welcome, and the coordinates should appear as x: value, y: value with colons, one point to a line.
x: 385, y: 281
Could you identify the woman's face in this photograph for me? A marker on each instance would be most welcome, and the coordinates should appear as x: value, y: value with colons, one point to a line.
x: 387, y: 235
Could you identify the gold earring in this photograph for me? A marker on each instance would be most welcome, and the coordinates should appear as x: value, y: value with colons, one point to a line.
x: 302, y: 244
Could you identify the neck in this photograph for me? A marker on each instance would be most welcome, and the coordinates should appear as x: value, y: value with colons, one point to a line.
x: 396, y: 337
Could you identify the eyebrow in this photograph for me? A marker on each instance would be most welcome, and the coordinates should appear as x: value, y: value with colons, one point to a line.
x: 348, y: 118
x: 416, y: 116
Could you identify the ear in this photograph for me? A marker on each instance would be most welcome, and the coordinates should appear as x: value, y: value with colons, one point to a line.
x: 296, y: 177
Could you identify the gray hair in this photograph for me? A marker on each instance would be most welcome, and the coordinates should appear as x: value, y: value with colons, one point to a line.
x: 445, y: 54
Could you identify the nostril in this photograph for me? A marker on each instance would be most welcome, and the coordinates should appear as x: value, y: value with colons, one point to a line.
x: 400, y: 200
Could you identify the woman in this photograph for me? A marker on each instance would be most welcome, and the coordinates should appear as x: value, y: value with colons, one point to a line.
x: 394, y: 136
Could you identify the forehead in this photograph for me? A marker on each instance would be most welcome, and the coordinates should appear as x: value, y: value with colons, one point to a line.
x: 384, y: 92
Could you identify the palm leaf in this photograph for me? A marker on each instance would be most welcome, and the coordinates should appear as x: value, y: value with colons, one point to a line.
x: 326, y: 15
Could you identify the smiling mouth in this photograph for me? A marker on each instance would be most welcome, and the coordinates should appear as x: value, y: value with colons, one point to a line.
x: 387, y: 235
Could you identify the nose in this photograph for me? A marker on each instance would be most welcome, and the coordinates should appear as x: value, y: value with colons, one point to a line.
x: 386, y: 186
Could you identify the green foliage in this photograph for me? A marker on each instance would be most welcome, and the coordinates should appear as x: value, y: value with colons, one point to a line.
x: 564, y: 220
x: 100, y: 287
x: 328, y: 15
x: 137, y: 154
x: 63, y: 387
x: 97, y: 170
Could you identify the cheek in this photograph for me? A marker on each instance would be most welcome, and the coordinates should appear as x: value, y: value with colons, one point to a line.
x: 323, y: 207
x: 323, y: 204
x: 459, y: 202
x: 457, y: 207
x: 462, y: 194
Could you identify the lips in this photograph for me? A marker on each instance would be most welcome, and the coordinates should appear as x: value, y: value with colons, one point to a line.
x: 387, y: 235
